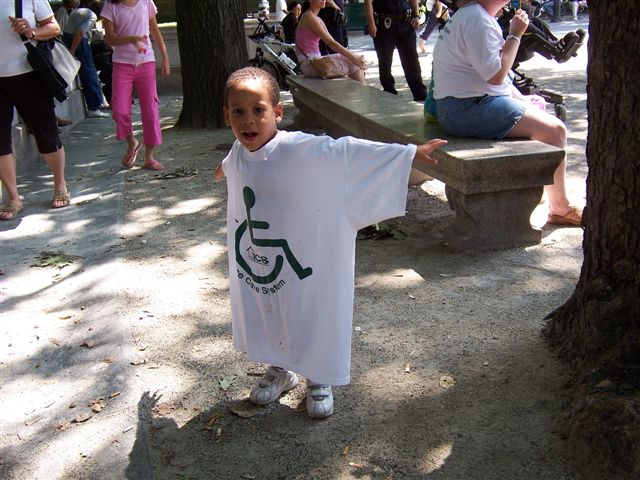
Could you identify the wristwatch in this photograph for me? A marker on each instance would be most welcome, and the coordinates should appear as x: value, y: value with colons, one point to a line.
x: 33, y: 34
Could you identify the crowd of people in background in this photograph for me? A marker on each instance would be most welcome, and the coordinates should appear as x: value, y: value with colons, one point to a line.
x: 125, y: 59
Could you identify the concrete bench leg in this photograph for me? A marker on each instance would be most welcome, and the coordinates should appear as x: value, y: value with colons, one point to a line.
x: 487, y: 221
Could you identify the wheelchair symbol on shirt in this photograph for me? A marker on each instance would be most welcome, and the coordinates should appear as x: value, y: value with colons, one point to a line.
x: 251, y: 225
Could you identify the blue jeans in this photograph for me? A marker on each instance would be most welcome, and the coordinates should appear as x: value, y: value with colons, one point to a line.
x: 91, y: 85
x: 480, y: 117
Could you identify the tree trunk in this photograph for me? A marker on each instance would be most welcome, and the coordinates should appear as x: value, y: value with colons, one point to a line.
x: 212, y: 45
x: 598, y: 329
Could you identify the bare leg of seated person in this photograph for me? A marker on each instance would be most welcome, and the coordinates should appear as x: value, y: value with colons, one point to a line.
x: 538, y: 125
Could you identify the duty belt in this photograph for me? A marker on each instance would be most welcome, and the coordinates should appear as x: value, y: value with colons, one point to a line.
x: 387, y: 18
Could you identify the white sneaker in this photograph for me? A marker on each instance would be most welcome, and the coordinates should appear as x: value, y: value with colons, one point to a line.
x: 319, y: 401
x: 272, y: 385
x: 97, y: 114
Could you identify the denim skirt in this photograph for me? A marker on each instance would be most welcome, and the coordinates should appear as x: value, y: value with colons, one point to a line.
x: 480, y: 117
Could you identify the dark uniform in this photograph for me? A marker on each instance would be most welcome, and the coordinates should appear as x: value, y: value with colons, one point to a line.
x: 336, y: 25
x: 394, y: 30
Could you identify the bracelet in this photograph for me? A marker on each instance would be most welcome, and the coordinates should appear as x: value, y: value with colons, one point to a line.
x: 513, y: 37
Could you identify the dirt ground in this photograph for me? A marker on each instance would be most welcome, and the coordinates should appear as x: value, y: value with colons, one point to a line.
x: 451, y: 379
x: 450, y: 376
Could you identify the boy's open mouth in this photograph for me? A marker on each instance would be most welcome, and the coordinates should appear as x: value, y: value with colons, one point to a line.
x: 249, y: 135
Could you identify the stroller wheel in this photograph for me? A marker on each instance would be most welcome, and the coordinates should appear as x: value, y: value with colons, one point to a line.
x: 561, y: 112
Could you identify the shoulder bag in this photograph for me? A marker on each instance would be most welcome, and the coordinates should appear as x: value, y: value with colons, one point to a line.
x: 52, y: 61
x: 326, y: 67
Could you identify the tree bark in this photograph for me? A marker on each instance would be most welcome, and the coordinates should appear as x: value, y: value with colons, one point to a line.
x: 598, y: 329
x: 212, y: 45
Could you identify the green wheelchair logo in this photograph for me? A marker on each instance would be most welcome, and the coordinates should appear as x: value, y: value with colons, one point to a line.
x: 251, y: 225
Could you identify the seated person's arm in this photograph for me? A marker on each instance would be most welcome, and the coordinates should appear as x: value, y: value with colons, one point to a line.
x: 517, y: 27
x: 319, y: 28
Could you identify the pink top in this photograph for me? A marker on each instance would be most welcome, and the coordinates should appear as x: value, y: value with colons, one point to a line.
x: 131, y: 21
x: 307, y: 42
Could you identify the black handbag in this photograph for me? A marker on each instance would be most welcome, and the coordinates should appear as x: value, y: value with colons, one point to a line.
x: 40, y: 57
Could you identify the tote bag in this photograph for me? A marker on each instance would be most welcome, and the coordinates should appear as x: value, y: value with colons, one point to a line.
x: 52, y: 62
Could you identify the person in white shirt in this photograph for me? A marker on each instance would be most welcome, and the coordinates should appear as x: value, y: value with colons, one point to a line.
x: 63, y: 12
x: 295, y: 204
x: 475, y: 96
x: 281, y: 10
x: 21, y: 88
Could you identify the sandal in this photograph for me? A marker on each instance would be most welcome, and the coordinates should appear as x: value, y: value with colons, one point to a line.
x: 572, y: 217
x: 130, y: 157
x: 153, y: 165
x: 60, y: 199
x: 11, y: 211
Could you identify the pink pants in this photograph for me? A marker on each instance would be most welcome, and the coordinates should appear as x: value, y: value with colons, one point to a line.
x: 143, y: 77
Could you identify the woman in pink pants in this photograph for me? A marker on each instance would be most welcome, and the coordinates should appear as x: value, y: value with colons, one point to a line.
x: 127, y: 25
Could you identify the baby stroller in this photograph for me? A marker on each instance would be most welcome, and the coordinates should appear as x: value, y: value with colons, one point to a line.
x: 539, y: 38
x: 272, y: 54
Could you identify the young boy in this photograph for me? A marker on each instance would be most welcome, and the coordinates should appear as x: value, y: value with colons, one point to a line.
x: 295, y: 204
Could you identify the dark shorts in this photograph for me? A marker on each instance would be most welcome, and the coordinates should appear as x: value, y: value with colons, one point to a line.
x: 480, y: 117
x: 34, y: 105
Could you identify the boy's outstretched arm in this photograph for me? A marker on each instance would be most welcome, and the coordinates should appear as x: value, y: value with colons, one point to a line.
x: 218, y: 174
x: 424, y: 151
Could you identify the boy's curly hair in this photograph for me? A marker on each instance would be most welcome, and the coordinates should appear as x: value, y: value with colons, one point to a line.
x: 252, y: 73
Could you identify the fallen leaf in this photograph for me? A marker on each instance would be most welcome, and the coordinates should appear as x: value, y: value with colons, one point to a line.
x: 107, y: 360
x: 225, y: 382
x: 179, y: 172
x: 213, y: 419
x: 83, y: 417
x: 407, y: 367
x: 345, y: 451
x: 242, y: 412
x: 382, y: 230
x: 62, y: 426
x: 114, y: 394
x: 604, y: 384
x: 88, y: 343
x: 65, y: 317
x: 32, y: 420
x: 96, y: 405
x: 58, y: 259
x: 55, y: 341
x: 356, y: 465
x: 447, y: 381
x: 164, y: 409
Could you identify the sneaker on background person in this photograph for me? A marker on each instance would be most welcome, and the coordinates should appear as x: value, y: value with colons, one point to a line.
x: 97, y: 114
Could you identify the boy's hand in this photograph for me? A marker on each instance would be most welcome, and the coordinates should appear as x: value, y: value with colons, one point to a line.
x: 424, y: 151
x: 218, y: 174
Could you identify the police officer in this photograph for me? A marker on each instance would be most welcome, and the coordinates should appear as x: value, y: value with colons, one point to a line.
x: 392, y: 24
x: 333, y: 17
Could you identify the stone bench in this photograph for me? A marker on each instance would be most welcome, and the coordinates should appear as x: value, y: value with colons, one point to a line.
x: 493, y: 186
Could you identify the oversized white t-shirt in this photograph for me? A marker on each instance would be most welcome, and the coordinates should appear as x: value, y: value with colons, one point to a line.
x: 294, y: 209
x: 467, y: 54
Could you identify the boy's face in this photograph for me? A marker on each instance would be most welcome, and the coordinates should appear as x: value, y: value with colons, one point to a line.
x: 251, y: 114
